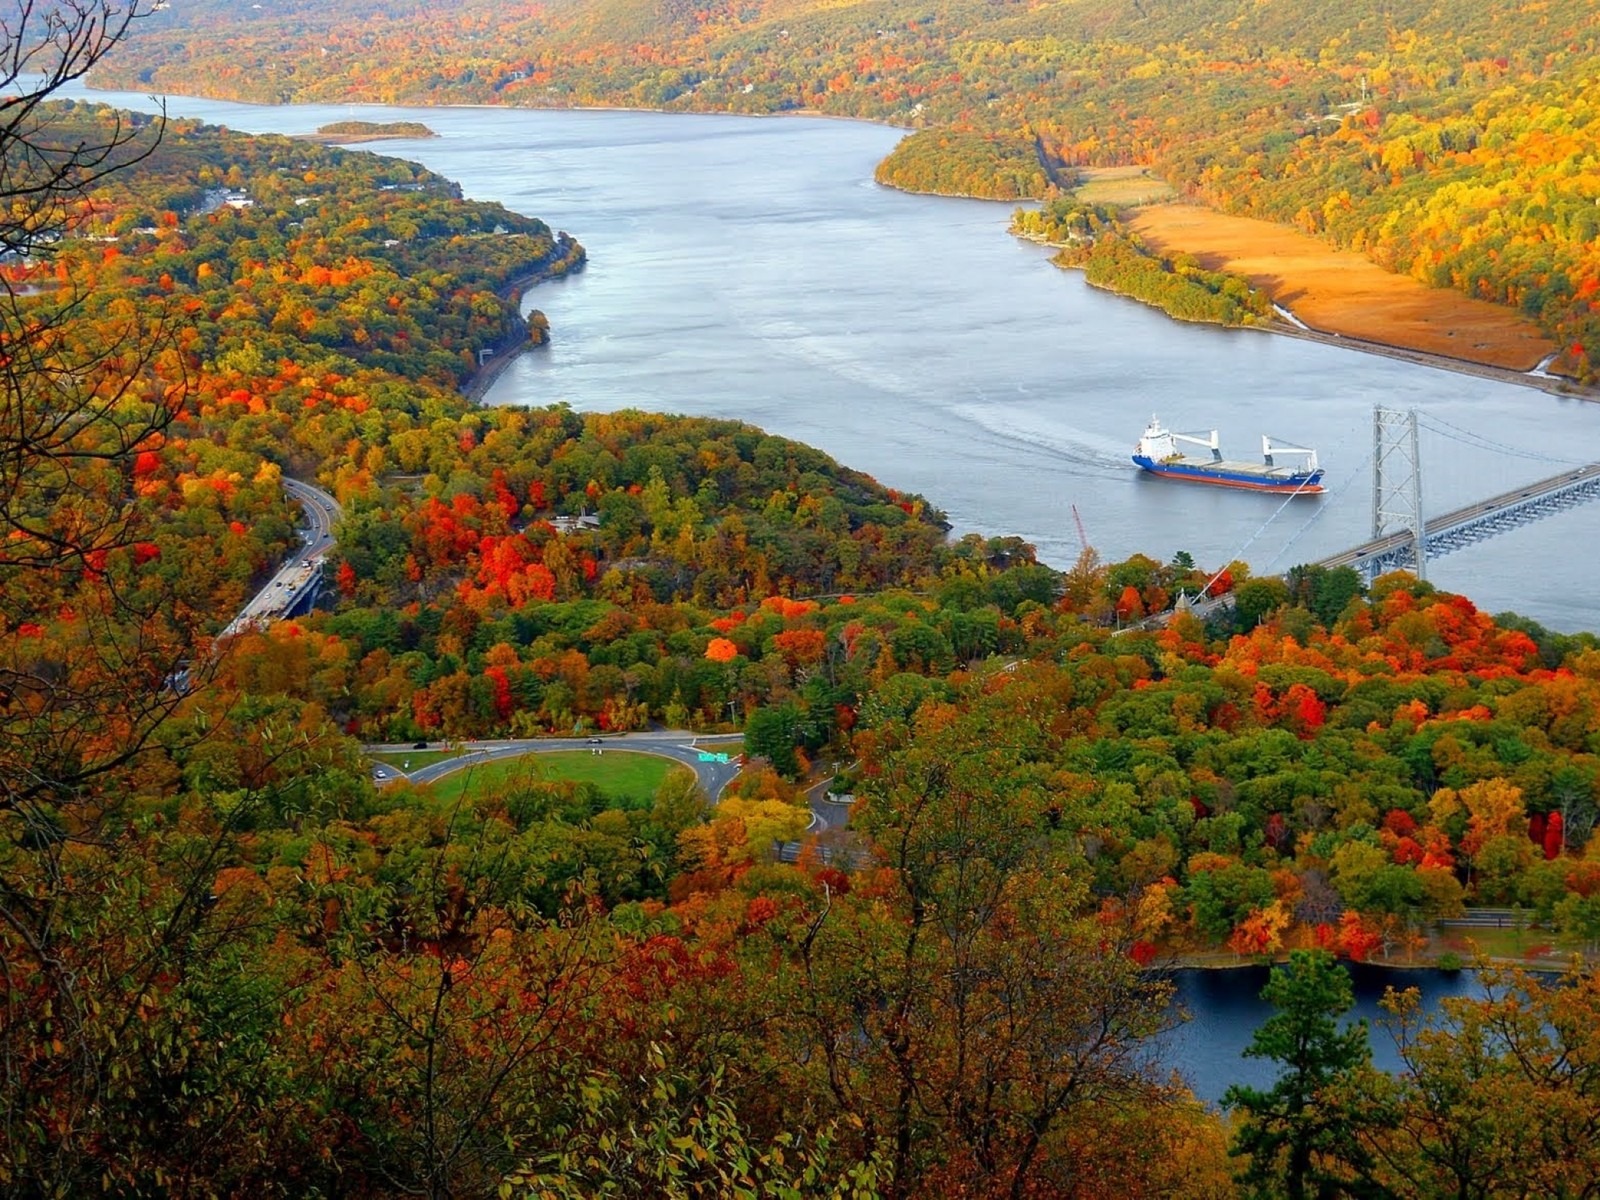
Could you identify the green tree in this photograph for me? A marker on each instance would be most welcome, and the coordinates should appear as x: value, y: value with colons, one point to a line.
x: 772, y: 733
x: 1294, y: 1138
x: 1325, y: 591
x: 1219, y: 898
x: 1497, y: 1096
x: 1255, y: 598
x: 1580, y: 916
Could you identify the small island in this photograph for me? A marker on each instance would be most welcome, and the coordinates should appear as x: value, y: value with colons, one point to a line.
x: 369, y: 131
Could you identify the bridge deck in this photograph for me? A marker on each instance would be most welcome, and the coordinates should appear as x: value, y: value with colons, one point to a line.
x: 293, y: 589
x: 1475, y: 522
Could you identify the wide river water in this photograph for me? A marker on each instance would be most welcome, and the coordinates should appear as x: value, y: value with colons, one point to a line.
x: 750, y: 268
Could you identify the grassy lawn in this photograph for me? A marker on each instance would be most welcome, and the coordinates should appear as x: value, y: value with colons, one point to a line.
x: 1533, y: 946
x: 619, y: 774
x: 1121, y: 186
x: 413, y: 760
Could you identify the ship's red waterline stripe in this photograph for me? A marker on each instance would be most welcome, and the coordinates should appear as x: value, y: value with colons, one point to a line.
x: 1309, y: 489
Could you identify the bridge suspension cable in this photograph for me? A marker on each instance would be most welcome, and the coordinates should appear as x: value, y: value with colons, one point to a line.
x: 1333, y: 496
x: 1239, y: 553
x: 1478, y: 441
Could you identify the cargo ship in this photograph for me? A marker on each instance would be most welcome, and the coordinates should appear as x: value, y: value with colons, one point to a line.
x: 1158, y: 453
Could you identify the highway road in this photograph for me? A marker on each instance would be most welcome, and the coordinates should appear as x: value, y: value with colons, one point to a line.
x: 300, y: 572
x: 322, y: 513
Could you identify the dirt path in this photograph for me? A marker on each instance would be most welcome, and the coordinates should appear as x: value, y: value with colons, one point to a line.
x: 1346, y: 299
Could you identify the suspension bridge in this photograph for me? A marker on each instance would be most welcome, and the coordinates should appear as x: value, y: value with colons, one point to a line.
x: 1410, y: 549
x: 1403, y: 537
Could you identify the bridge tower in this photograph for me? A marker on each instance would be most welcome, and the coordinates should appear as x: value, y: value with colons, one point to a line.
x: 1397, y: 480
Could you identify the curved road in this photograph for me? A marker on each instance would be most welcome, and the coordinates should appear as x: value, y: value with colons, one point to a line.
x: 680, y: 745
x: 322, y: 514
x: 827, y: 814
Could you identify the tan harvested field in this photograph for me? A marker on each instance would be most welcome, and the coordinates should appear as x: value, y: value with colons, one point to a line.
x: 1340, y: 292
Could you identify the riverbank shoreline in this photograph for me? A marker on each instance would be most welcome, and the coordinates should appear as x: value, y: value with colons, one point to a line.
x: 1554, y: 385
x: 356, y: 139
x: 1540, y: 960
x: 478, y: 384
x: 477, y: 387
x: 1190, y: 962
x: 465, y: 107
x: 1348, y: 298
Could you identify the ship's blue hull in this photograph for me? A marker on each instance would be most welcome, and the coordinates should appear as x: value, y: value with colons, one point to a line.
x: 1302, y: 482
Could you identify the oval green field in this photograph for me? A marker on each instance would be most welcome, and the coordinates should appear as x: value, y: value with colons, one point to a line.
x: 622, y: 775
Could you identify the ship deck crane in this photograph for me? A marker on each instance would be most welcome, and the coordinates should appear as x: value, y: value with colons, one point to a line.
x: 1210, y: 442
x: 1270, y: 447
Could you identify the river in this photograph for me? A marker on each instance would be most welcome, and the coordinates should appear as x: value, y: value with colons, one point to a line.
x: 750, y: 268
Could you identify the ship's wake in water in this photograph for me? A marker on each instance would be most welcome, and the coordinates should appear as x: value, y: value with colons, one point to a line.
x: 1088, y: 454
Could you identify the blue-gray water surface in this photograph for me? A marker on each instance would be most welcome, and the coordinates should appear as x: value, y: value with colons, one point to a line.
x: 750, y: 268
x: 1224, y: 1007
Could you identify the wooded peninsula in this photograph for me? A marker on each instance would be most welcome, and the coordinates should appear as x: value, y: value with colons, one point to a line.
x: 245, y: 952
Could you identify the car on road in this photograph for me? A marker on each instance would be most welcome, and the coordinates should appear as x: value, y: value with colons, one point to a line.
x: 419, y: 745
x: 594, y: 741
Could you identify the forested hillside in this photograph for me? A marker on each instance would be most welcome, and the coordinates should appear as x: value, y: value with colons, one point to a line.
x: 1452, y: 140
x: 235, y: 965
